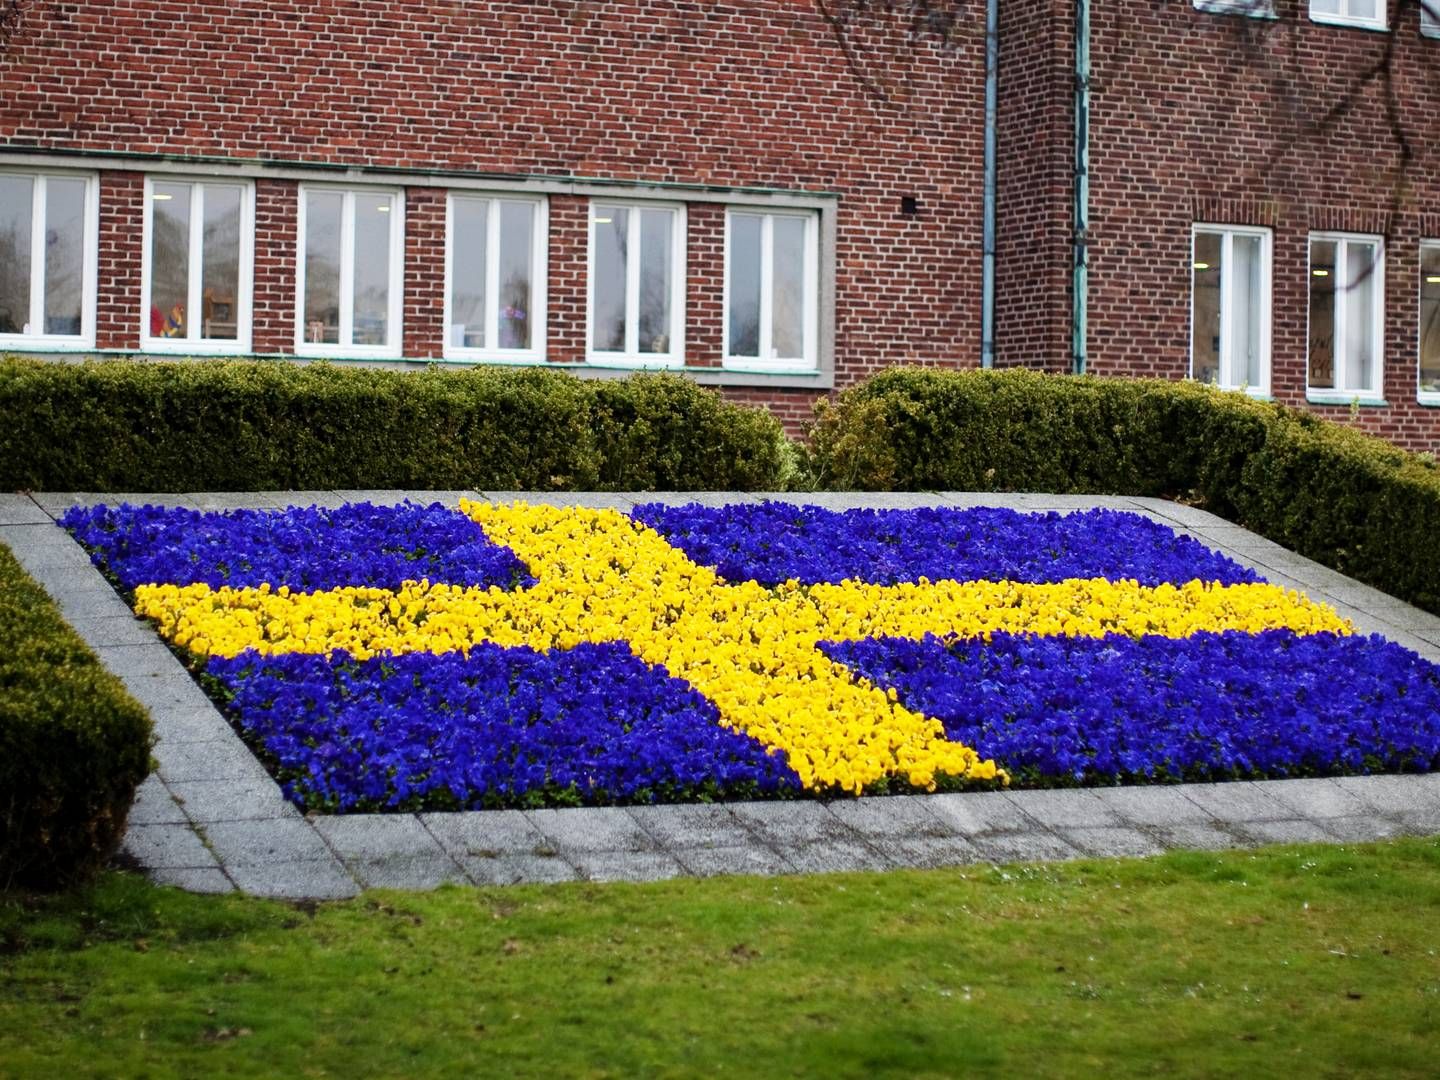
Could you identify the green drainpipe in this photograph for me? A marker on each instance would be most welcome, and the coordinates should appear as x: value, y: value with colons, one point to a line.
x: 1080, y: 283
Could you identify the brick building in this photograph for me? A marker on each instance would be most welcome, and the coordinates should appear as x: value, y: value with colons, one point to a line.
x: 730, y: 190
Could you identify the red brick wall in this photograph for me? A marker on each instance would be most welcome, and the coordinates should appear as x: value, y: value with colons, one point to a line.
x: 749, y: 93
x: 1223, y: 119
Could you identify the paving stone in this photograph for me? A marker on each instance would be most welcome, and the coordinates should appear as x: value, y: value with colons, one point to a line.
x: 395, y: 498
x: 626, y: 865
x: 973, y: 812
x: 1073, y: 808
x: 310, y: 880
x: 836, y: 856
x: 1236, y: 802
x: 1034, y: 846
x: 114, y: 630
x: 590, y: 500
x: 21, y: 510
x: 1294, y: 831
x: 210, y: 880
x: 207, y: 801
x: 591, y: 828
x: 86, y: 602
x: 189, y: 723
x: 927, y: 852
x: 786, y: 825
x: 859, y: 500
x: 1363, y: 828
x: 169, y: 846
x: 1314, y: 798
x: 1112, y: 842
x: 691, y: 826
x: 377, y: 836
x: 325, y: 500
x: 407, y: 872
x: 171, y: 691
x: 1422, y: 822
x: 736, y: 859
x: 232, y: 500
x: 891, y: 816
x: 1196, y: 837
x: 699, y: 498
x: 1407, y: 617
x: 130, y: 661
x: 1154, y: 805
x: 1394, y: 794
x: 486, y: 833
x: 220, y: 759
x: 154, y: 806
x: 277, y: 840
x: 517, y: 869
x: 56, y: 503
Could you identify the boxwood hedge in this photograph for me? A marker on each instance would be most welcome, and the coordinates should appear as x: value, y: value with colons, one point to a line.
x: 73, y: 744
x: 1351, y: 501
x: 124, y: 425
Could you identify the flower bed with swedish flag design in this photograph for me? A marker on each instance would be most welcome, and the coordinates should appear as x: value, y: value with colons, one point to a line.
x: 512, y: 655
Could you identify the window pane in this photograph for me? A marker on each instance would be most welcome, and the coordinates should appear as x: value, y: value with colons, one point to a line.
x: 1245, y: 319
x: 787, y: 283
x: 1205, y: 333
x: 744, y: 285
x: 169, y: 259
x: 1322, y: 314
x: 323, y: 212
x: 220, y: 258
x: 1361, y: 9
x: 372, y: 269
x: 64, y: 255
x: 15, y: 226
x: 517, y: 225
x: 655, y: 280
x: 1430, y: 318
x: 611, y: 225
x: 467, y: 273
x: 1324, y: 7
x: 1360, y: 316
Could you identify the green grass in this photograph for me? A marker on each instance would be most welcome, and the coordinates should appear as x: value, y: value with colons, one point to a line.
x: 1308, y: 961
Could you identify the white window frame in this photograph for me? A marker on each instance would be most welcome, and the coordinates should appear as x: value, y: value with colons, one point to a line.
x: 1227, y: 380
x: 393, y: 348
x: 1342, y: 392
x: 245, y: 296
x: 810, y: 361
x: 540, y: 246
x: 631, y: 357
x: 1344, y: 19
x: 1425, y: 397
x: 1254, y: 9
x: 1430, y: 18
x: 90, y: 242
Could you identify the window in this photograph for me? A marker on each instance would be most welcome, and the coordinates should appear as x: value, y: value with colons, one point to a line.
x: 637, y: 285
x: 1347, y: 307
x: 1366, y: 13
x: 1430, y: 18
x: 48, y: 231
x: 1230, y: 308
x: 1430, y: 322
x: 1259, y: 9
x: 771, y: 289
x: 195, y: 290
x: 349, y: 287
x: 494, y: 278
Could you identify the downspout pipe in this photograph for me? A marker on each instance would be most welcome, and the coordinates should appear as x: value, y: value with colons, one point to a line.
x: 1080, y: 282
x: 987, y: 257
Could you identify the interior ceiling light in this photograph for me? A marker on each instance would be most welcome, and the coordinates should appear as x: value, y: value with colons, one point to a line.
x: 1320, y: 273
x: 603, y: 220
x: 1433, y: 279
x: 160, y: 197
x: 384, y: 208
x: 1202, y: 266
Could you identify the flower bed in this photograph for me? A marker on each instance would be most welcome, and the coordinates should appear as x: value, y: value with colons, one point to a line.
x: 415, y: 657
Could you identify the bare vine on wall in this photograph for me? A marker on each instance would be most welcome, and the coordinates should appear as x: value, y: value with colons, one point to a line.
x: 881, y: 38
x: 12, y: 16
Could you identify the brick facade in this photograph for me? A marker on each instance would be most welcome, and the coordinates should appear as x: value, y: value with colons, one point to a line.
x: 1195, y: 117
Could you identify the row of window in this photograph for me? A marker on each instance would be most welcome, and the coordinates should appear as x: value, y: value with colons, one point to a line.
x: 196, y: 292
x: 1369, y: 14
x: 1230, y: 313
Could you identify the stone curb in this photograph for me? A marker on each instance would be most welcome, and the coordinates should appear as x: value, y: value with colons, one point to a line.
x: 211, y: 820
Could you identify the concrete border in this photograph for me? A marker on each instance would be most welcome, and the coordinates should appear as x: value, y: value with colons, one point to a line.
x: 212, y: 820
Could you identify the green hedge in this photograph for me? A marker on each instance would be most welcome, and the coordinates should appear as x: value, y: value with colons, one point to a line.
x: 73, y: 744
x: 253, y: 426
x: 1343, y: 498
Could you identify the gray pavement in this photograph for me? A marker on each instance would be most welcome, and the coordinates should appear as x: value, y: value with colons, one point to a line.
x: 211, y: 820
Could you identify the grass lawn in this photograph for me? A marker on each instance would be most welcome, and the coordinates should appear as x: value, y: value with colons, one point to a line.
x: 1309, y: 961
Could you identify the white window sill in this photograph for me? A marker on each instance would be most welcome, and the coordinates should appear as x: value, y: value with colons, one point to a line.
x: 749, y: 365
x: 1352, y: 24
x: 493, y: 356
x: 1258, y: 9
x: 202, y: 347
x: 1363, y: 398
x: 43, y: 343
x: 645, y: 362
x: 1429, y: 398
x: 312, y: 351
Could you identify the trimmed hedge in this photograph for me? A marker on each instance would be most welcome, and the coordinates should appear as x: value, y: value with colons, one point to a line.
x: 125, y: 425
x: 73, y: 745
x: 1343, y: 498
